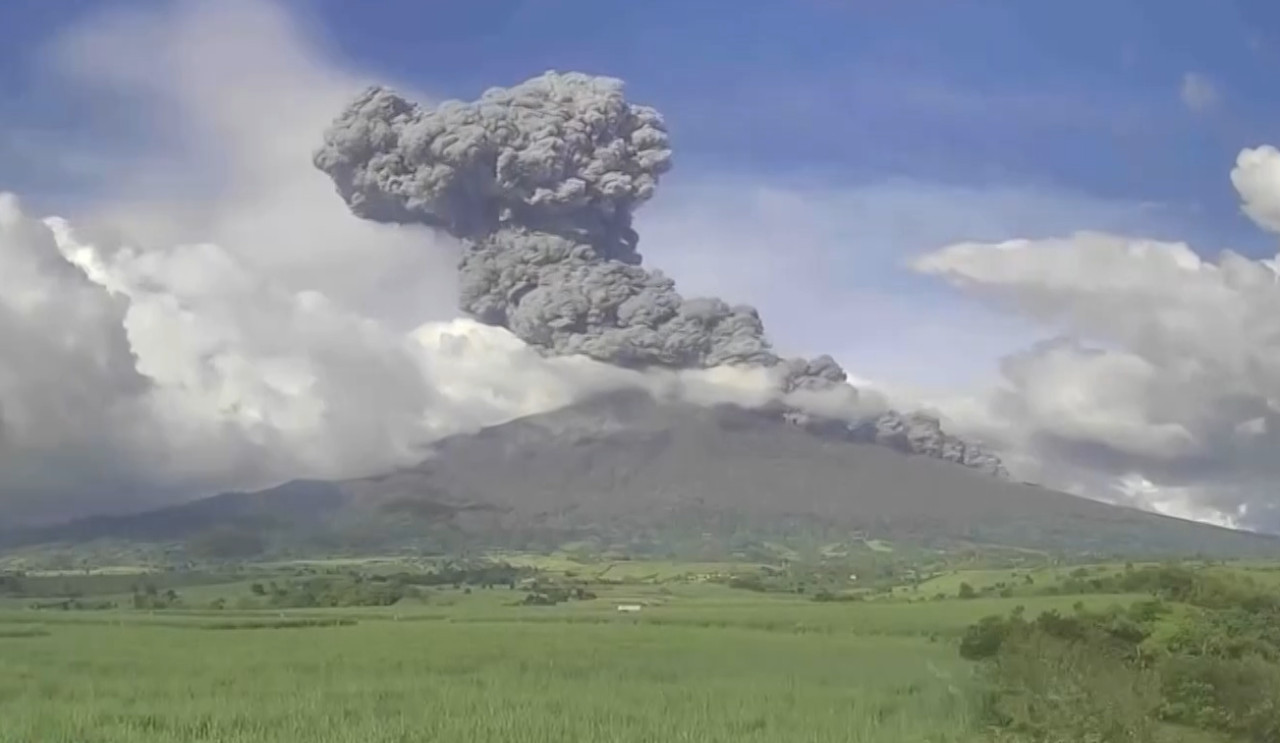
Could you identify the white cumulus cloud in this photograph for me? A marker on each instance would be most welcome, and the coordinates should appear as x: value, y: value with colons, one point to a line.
x: 1163, y: 368
x: 1256, y: 178
x: 212, y: 317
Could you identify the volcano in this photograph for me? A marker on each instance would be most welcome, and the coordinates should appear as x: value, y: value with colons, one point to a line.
x: 626, y: 470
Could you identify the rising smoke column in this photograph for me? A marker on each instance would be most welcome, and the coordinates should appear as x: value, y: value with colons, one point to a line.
x: 540, y: 181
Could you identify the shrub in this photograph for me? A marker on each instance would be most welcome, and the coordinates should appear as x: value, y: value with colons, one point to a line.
x: 1100, y: 676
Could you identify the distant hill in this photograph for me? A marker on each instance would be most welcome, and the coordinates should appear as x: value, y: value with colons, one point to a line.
x: 625, y: 470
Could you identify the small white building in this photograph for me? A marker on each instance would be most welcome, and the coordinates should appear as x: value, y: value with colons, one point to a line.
x: 629, y: 608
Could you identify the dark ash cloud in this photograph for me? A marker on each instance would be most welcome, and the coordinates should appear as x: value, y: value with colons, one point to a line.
x: 541, y: 181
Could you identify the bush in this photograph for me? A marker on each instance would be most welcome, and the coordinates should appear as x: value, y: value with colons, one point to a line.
x: 984, y: 639
x: 1101, y: 676
x: 331, y: 591
x: 1050, y: 689
x: 552, y: 595
x: 748, y: 583
x: 827, y: 596
x: 1241, y: 697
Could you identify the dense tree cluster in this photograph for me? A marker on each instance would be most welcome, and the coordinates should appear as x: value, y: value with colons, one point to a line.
x: 330, y: 591
x: 1203, y: 653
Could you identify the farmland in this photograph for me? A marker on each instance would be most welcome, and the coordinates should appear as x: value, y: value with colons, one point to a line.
x: 236, y: 655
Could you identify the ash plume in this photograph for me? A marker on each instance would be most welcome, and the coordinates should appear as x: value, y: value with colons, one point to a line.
x: 540, y: 181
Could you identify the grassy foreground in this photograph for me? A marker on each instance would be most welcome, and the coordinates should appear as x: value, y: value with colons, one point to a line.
x: 475, y: 681
x: 367, y: 652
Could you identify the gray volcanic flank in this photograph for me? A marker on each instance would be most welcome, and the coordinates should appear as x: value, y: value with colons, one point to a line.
x: 623, y: 468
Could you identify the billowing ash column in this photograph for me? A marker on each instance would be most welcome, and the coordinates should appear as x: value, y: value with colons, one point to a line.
x: 540, y: 180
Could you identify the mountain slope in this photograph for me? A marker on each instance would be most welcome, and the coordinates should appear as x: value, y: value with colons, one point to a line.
x: 623, y: 468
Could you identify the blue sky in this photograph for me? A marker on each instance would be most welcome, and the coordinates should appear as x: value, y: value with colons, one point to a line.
x: 911, y: 123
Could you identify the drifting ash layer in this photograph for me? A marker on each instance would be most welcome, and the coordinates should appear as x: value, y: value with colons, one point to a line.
x: 540, y: 181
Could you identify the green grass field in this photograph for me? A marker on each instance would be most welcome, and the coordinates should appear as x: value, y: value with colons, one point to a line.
x: 474, y: 681
x: 700, y: 662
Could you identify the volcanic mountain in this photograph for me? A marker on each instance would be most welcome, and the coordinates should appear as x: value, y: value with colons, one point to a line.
x: 625, y: 470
